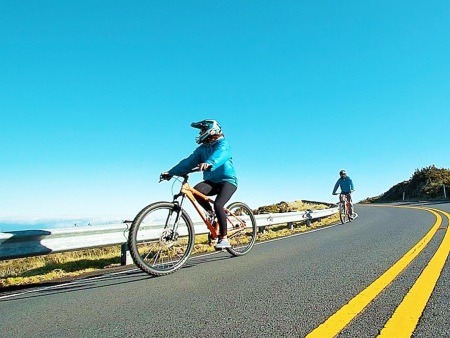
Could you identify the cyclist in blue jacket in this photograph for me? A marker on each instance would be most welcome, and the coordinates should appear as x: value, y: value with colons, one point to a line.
x: 214, y: 158
x: 347, y: 187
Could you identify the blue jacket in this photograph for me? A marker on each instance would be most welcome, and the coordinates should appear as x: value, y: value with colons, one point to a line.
x: 218, y: 155
x: 345, y: 184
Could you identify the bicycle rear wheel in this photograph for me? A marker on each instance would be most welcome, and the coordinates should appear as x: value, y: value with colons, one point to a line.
x: 157, y: 246
x: 242, y: 230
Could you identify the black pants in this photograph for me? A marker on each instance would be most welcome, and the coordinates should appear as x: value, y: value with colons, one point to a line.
x: 224, y: 191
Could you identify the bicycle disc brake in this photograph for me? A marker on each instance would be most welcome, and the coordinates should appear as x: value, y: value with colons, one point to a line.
x: 168, y: 238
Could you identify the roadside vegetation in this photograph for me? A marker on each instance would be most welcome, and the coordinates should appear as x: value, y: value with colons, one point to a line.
x: 425, y: 184
x: 39, y: 269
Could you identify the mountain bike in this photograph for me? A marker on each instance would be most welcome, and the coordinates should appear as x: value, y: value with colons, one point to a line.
x: 346, y: 214
x: 162, y: 235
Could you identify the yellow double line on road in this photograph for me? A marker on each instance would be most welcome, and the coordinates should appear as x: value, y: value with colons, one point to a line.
x: 405, y: 318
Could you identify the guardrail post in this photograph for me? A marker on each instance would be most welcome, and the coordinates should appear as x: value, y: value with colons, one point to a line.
x: 308, y: 216
x: 262, y: 229
x: 125, y: 257
x: 290, y: 225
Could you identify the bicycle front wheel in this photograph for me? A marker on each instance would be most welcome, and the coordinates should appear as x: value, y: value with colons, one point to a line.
x: 161, y: 238
x: 343, y: 214
x: 241, y: 230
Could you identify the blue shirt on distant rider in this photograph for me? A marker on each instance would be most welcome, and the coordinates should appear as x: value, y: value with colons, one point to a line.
x: 218, y: 155
x: 346, y: 185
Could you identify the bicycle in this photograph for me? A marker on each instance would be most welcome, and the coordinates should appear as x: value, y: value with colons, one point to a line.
x: 345, y: 207
x: 162, y: 235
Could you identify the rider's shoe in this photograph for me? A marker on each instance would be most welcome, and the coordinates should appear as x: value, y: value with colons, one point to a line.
x: 223, y: 244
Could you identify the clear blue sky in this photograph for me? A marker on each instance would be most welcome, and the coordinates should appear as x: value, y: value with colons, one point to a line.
x: 97, y: 97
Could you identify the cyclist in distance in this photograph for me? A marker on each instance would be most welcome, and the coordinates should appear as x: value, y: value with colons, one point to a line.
x: 213, y: 157
x: 347, y: 187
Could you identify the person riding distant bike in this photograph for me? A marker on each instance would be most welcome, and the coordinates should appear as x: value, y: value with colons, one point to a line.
x: 347, y: 187
x: 213, y: 157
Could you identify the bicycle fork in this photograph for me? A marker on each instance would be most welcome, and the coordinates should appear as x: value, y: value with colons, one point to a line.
x: 173, y: 233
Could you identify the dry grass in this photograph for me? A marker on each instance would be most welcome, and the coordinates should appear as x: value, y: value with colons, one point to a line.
x: 39, y: 269
x: 301, y: 205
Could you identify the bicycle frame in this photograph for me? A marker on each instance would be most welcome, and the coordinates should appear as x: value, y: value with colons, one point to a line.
x: 189, y: 192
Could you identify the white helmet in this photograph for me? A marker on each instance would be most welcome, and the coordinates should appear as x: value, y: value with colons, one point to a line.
x: 207, y: 128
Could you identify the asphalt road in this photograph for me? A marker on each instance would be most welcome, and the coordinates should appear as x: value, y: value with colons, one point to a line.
x: 282, y: 288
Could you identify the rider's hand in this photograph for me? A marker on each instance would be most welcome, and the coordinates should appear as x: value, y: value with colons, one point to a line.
x: 165, y: 176
x: 334, y: 193
x: 204, y: 166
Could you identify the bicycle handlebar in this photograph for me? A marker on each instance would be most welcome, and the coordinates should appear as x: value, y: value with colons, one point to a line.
x: 342, y: 193
x: 168, y: 177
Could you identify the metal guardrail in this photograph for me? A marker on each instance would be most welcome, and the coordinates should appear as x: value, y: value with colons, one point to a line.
x: 19, y: 244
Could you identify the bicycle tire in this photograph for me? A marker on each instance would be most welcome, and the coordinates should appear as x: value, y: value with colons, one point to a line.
x: 241, y: 240
x: 155, y: 248
x: 343, y: 215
